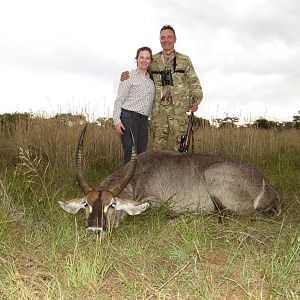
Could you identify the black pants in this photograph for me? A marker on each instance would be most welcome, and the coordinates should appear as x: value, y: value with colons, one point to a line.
x: 138, y: 124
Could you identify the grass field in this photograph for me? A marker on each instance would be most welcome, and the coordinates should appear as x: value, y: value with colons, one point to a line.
x: 46, y: 253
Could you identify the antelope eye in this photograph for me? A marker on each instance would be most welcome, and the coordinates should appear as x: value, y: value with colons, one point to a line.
x: 85, y: 204
x: 113, y: 205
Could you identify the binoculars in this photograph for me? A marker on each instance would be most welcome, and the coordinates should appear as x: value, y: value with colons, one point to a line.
x: 166, y: 77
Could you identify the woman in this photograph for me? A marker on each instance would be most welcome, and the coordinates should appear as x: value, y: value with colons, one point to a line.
x: 134, y: 104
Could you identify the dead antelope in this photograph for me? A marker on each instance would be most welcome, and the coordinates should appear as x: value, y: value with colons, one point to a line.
x: 189, y: 182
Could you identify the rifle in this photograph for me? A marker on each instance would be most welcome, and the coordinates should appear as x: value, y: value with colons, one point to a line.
x: 186, y: 139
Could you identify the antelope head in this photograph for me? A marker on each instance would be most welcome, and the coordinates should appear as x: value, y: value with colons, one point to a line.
x: 102, y: 206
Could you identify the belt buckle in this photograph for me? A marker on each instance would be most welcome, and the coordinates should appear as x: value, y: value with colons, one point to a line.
x: 167, y: 99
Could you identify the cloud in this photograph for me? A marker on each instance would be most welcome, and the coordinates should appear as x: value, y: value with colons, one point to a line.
x: 246, y: 53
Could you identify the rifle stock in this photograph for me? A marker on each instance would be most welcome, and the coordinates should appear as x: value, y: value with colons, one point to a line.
x: 186, y: 139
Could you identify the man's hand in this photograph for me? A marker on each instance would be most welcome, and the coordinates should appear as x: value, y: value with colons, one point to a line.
x: 194, y: 107
x: 119, y: 128
x: 125, y: 75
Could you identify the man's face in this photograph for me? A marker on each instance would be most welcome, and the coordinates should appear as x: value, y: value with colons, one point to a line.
x: 167, y: 40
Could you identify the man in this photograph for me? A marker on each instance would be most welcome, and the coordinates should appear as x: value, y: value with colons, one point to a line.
x: 177, y: 90
x: 177, y: 86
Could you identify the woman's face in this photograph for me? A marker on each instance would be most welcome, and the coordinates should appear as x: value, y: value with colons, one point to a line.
x: 144, y: 60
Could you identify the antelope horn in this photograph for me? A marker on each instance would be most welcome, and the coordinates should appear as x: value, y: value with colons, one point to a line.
x: 78, y: 163
x: 127, y: 171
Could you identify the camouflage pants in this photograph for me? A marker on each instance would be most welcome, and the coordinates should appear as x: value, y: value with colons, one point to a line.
x: 168, y: 124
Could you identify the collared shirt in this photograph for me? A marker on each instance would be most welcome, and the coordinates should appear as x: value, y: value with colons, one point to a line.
x: 135, y: 94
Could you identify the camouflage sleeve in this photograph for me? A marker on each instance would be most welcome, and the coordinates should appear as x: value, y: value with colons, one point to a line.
x: 195, y: 89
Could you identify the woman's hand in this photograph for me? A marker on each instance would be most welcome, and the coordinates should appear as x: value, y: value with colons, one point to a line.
x: 119, y: 128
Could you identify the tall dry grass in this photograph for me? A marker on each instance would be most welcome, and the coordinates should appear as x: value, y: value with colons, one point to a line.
x: 56, y: 141
x: 250, y: 144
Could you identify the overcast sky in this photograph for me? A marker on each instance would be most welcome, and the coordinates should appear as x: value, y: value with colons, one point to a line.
x: 67, y: 56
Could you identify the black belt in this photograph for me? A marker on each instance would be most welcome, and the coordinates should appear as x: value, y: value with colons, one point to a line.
x: 134, y: 113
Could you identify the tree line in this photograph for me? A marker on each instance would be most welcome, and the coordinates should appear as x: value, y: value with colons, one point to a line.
x: 261, y: 123
x: 9, y: 121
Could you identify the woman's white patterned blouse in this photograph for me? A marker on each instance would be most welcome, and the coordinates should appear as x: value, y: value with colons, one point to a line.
x: 135, y: 94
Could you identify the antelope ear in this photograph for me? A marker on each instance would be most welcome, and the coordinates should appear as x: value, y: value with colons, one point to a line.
x: 130, y: 206
x: 72, y: 206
